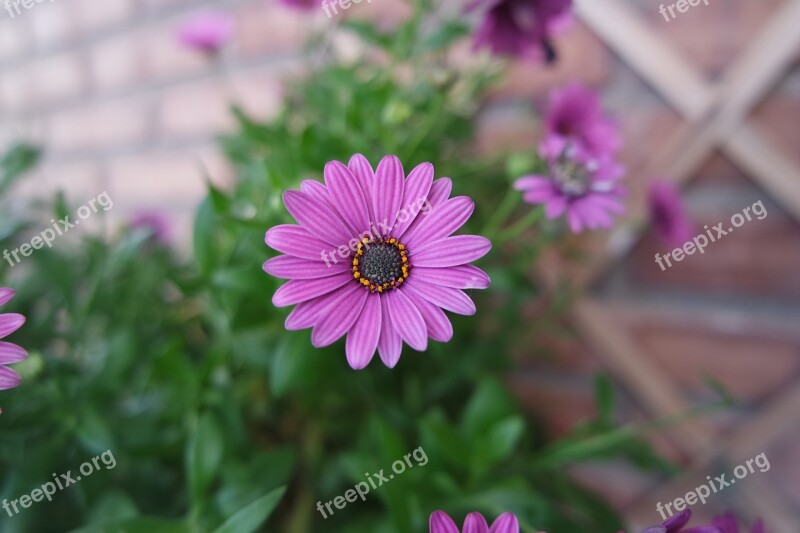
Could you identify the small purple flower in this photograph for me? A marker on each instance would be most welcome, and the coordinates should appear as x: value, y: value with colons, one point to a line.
x: 153, y: 222
x: 667, y: 214
x: 676, y: 524
x: 727, y: 524
x: 574, y: 113
x: 521, y: 28
x: 373, y: 258
x: 304, y: 5
x: 9, y: 353
x: 206, y: 32
x: 440, y: 522
x: 578, y: 184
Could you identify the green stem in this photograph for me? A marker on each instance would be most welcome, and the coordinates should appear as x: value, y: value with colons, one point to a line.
x: 500, y: 215
x: 533, y: 216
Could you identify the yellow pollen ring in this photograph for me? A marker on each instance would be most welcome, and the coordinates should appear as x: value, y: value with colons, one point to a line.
x: 356, y: 264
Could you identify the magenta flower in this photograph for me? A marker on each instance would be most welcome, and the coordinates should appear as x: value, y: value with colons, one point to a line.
x: 667, y: 214
x: 578, y: 184
x: 727, y: 524
x: 9, y: 353
x: 373, y: 258
x: 521, y: 28
x: 676, y: 524
x: 574, y: 114
x: 206, y: 32
x: 440, y: 522
x: 305, y: 5
x: 153, y: 222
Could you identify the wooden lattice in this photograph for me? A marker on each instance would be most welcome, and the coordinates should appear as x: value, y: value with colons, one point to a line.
x: 715, y: 117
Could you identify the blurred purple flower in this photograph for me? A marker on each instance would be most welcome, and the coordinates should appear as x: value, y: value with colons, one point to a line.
x: 305, y: 5
x: 9, y: 353
x: 521, y: 28
x: 676, y: 524
x: 667, y: 214
x: 440, y: 522
x: 206, y: 32
x: 398, y: 265
x: 578, y: 184
x: 574, y: 113
x: 156, y: 223
x: 727, y: 524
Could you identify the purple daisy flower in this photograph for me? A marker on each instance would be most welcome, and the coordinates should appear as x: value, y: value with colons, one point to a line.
x: 667, y: 214
x: 440, y: 522
x: 373, y: 258
x: 578, y: 184
x: 574, y: 113
x: 676, y: 524
x: 206, y: 32
x: 9, y: 353
x: 727, y: 524
x: 521, y: 28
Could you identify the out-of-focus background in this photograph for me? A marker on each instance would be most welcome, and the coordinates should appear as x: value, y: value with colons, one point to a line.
x: 711, y: 98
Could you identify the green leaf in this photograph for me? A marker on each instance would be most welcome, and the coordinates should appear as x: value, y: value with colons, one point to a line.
x: 205, y: 455
x: 252, y: 516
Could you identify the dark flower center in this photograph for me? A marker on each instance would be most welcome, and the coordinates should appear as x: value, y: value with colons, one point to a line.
x: 571, y: 176
x: 380, y: 264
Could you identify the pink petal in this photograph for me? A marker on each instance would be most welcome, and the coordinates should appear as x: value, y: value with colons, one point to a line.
x: 441, y: 523
x: 362, y: 341
x: 316, y: 217
x: 505, y: 523
x: 440, y: 191
x: 441, y: 222
x: 289, y: 267
x: 300, y: 290
x: 475, y: 523
x: 415, y: 196
x: 439, y: 326
x: 11, y: 353
x: 9, y: 323
x: 347, y: 195
x: 451, y: 251
x: 388, y: 192
x: 390, y: 344
x: 340, y: 315
x: 445, y: 297
x: 307, y: 313
x: 555, y: 207
x: 6, y: 295
x: 297, y: 241
x: 533, y: 182
x: 407, y: 320
x: 317, y: 190
x: 8, y: 378
x: 458, y: 277
x: 362, y: 171
x: 540, y: 196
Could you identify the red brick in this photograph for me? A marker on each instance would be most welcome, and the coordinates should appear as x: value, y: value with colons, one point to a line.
x: 116, y: 62
x: 268, y: 27
x: 15, y: 38
x: 561, y: 403
x: 16, y: 89
x: 98, y: 126
x: 67, y: 69
x: 52, y: 23
x: 93, y: 16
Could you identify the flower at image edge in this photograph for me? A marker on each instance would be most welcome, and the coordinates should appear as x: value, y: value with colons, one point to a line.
x: 206, y: 32
x: 374, y: 258
x: 440, y: 522
x: 9, y: 353
x: 521, y: 28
